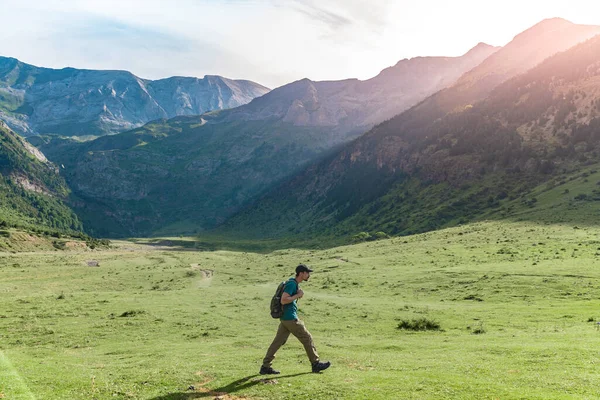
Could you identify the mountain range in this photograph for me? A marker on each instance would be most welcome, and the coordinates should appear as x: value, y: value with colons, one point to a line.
x: 427, y: 143
x: 355, y: 106
x: 191, y: 173
x: 443, y: 163
x: 80, y: 102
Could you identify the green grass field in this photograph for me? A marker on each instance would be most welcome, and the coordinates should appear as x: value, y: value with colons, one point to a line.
x: 517, y: 305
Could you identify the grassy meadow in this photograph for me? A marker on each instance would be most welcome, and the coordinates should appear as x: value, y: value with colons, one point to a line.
x: 515, y: 305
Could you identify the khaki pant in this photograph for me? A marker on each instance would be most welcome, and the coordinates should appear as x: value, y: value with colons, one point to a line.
x: 296, y: 328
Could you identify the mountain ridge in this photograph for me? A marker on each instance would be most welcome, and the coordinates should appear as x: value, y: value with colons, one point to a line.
x: 80, y: 102
x: 427, y: 168
x: 429, y: 163
x: 223, y: 159
x: 360, y: 104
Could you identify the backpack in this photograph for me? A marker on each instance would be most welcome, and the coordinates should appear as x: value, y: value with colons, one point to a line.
x: 276, y: 306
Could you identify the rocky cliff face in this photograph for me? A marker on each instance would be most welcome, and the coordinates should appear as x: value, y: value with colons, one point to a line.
x: 87, y: 102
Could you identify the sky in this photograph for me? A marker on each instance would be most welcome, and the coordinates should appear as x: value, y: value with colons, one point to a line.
x: 272, y: 42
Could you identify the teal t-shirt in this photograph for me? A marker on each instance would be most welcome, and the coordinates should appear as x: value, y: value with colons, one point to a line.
x: 290, y: 310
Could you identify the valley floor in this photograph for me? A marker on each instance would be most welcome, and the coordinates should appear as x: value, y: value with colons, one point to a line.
x: 517, y: 306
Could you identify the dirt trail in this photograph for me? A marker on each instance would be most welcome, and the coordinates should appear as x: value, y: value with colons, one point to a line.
x: 206, y: 275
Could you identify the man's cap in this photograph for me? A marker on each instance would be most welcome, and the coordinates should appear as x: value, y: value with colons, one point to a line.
x: 303, y: 268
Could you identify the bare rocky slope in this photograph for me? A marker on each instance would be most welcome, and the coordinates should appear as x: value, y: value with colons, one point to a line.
x: 79, y: 102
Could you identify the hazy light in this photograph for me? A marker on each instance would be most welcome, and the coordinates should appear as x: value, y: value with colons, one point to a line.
x: 269, y: 41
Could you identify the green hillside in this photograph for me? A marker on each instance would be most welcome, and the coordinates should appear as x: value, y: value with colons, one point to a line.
x: 181, y: 175
x: 539, y: 127
x: 570, y: 199
x: 32, y: 192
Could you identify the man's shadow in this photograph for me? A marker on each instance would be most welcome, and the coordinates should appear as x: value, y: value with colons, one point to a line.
x: 235, y: 386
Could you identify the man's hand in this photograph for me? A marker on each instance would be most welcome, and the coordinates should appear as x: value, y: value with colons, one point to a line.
x: 287, y: 299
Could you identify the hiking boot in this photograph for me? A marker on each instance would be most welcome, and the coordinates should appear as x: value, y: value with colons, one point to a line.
x: 320, y: 366
x: 268, y: 371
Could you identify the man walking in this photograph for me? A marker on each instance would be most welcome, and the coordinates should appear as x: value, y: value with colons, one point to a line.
x: 289, y: 323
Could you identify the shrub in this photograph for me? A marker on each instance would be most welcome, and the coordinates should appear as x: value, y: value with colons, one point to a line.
x: 380, y: 235
x: 361, y: 237
x: 92, y: 243
x: 59, y: 245
x: 132, y: 313
x: 473, y: 297
x: 504, y: 250
x: 529, y: 202
x: 421, y: 324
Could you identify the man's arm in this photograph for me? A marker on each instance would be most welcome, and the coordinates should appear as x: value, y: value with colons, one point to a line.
x: 287, y: 299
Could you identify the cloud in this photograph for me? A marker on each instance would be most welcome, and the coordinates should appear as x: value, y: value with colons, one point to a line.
x: 334, y: 20
x: 88, y: 41
x: 268, y: 41
x: 338, y: 15
x: 106, y: 32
